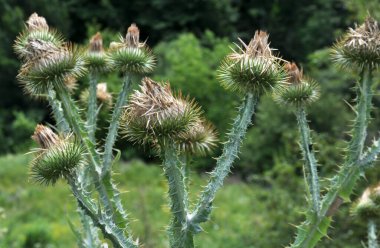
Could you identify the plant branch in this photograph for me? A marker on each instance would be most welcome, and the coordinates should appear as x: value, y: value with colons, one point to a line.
x: 372, y: 237
x: 92, y: 107
x: 310, y: 161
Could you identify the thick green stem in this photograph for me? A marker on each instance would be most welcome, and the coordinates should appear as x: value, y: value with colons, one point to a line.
x: 92, y: 107
x: 314, y: 228
x: 178, y: 197
x: 310, y: 161
x: 224, y: 162
x: 372, y: 237
x: 114, y: 125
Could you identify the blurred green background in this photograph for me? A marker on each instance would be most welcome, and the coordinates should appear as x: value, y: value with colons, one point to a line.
x: 264, y: 198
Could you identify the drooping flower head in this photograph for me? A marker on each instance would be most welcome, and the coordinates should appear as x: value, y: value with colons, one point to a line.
x: 253, y: 68
x: 155, y: 114
x: 359, y: 46
x: 130, y: 55
x: 298, y: 91
x: 57, y: 158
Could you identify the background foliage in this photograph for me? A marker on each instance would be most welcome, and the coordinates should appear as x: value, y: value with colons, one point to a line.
x: 189, y: 39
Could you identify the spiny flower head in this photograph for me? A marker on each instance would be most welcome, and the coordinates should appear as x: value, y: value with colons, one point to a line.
x: 368, y: 205
x: 130, y: 55
x: 297, y: 91
x: 95, y: 57
x: 57, y: 158
x: 199, y: 139
x: 360, y: 46
x: 253, y: 68
x: 155, y: 114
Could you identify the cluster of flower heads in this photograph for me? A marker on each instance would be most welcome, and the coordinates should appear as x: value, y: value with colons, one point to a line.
x: 253, y: 68
x: 48, y: 60
x: 298, y: 91
x: 57, y: 157
x: 368, y: 205
x: 155, y: 116
x: 360, y: 46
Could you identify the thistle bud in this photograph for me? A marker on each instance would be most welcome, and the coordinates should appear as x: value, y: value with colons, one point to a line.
x: 132, y: 39
x: 36, y: 22
x: 366, y: 208
x: 297, y: 91
x: 95, y: 57
x: 57, y: 158
x: 200, y: 138
x: 253, y: 68
x: 359, y: 46
x: 131, y: 56
x: 154, y: 113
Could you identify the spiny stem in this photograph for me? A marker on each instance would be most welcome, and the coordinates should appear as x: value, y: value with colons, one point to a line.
x: 92, y: 107
x: 372, y: 237
x: 310, y: 161
x: 114, y: 125
x: 224, y: 162
x: 178, y: 197
x: 342, y: 184
x: 56, y: 105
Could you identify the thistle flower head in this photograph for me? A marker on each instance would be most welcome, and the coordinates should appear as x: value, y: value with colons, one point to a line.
x: 58, y: 157
x: 36, y: 22
x: 95, y: 57
x: 129, y: 55
x: 368, y: 206
x: 360, y: 46
x: 252, y: 68
x: 154, y: 113
x: 200, y: 138
x: 298, y: 91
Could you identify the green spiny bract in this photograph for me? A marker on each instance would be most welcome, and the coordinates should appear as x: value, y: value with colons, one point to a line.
x: 367, y: 207
x: 253, y: 69
x: 298, y: 91
x: 57, y: 158
x: 95, y: 56
x: 154, y: 114
x: 131, y: 56
x: 360, y: 46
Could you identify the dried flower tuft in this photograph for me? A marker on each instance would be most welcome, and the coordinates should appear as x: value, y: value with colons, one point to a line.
x: 132, y: 39
x: 102, y: 94
x: 37, y: 23
x: 96, y: 43
x: 44, y: 136
x: 294, y: 74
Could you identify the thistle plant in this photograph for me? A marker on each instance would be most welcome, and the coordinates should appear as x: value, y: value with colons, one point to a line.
x: 173, y: 126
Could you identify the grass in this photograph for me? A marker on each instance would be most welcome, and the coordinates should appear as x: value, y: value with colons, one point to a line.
x: 245, y: 215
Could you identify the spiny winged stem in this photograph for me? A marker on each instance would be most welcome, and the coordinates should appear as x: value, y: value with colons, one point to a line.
x: 313, y: 229
x: 59, y: 117
x: 372, y: 238
x: 310, y: 161
x: 92, y: 107
x: 72, y: 115
x: 224, y: 162
x: 114, y: 125
x: 109, y: 229
x: 178, y: 197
